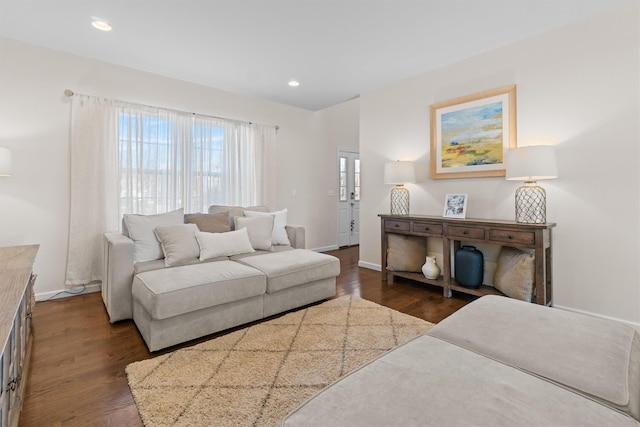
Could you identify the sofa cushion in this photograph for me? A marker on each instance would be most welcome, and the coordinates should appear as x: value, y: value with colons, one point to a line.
x: 429, y: 382
x: 515, y: 273
x: 178, y: 243
x: 596, y: 357
x: 286, y: 269
x: 173, y: 291
x: 259, y: 229
x: 279, y: 232
x: 210, y: 223
x: 141, y: 229
x: 213, y: 245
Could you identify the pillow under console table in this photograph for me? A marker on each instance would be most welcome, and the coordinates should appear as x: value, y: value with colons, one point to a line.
x: 534, y: 237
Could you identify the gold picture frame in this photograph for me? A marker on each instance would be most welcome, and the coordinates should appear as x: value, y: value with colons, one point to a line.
x: 470, y: 135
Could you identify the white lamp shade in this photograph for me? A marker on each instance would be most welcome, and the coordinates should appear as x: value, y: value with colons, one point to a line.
x: 399, y: 172
x: 5, y: 161
x: 531, y: 163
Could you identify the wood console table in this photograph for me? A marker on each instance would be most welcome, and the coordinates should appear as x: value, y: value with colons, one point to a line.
x: 16, y: 303
x: 455, y: 231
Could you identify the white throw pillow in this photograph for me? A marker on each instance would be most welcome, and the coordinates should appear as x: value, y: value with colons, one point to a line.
x: 259, y: 229
x: 141, y: 229
x: 213, y: 245
x: 178, y: 243
x: 279, y: 232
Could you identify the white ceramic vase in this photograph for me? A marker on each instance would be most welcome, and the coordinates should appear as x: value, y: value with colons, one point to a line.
x: 430, y: 269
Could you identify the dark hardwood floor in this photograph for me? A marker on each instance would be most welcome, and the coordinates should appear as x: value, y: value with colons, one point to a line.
x: 77, y: 375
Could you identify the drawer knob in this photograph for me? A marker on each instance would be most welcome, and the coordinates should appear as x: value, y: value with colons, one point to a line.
x: 396, y: 225
x: 464, y: 232
x: 426, y: 228
x: 510, y: 236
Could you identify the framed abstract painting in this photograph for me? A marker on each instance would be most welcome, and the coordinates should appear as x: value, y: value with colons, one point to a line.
x: 455, y: 206
x: 470, y: 135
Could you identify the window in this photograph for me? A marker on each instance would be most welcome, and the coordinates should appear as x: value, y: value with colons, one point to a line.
x: 170, y: 160
x: 132, y: 158
x: 343, y: 179
x: 356, y: 177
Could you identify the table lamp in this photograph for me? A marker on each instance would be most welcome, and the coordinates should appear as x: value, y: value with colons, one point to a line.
x: 399, y: 173
x: 530, y: 164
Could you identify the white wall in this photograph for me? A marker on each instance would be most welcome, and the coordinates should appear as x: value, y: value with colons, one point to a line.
x: 578, y: 89
x: 339, y: 129
x: 34, y: 123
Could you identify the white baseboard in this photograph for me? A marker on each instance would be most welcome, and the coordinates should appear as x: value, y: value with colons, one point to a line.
x: 369, y: 265
x: 69, y: 292
x: 325, y: 248
x: 635, y: 325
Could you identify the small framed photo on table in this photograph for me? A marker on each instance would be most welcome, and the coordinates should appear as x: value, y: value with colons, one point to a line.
x: 455, y: 206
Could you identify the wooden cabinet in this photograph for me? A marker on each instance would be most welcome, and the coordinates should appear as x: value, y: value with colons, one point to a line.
x: 16, y: 304
x: 452, y: 232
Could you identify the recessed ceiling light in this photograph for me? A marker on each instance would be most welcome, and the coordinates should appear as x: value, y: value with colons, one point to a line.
x: 100, y: 24
x: 294, y: 83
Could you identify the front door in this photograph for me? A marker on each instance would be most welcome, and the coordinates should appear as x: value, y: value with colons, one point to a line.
x: 348, y: 198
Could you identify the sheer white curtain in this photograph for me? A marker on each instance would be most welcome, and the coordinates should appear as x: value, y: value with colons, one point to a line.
x: 129, y: 158
x: 94, y: 185
x: 153, y: 148
x: 265, y: 152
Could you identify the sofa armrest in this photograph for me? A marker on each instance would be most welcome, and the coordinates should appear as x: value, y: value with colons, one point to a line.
x: 296, y: 236
x: 117, y: 276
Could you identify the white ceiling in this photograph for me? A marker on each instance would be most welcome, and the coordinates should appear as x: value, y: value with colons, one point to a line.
x: 337, y: 49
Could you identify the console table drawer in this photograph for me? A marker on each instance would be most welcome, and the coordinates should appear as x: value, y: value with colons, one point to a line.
x: 393, y: 225
x: 522, y: 237
x: 468, y: 232
x: 427, y: 227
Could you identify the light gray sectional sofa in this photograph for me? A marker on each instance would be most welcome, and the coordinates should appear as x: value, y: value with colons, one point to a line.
x: 178, y: 282
x: 495, y: 362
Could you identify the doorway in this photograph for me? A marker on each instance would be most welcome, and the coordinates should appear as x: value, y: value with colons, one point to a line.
x: 348, y: 198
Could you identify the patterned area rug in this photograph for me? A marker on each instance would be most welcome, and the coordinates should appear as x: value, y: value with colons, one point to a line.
x: 257, y: 375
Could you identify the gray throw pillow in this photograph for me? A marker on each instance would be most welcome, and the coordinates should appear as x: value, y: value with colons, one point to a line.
x: 279, y: 234
x: 259, y: 229
x: 178, y: 243
x: 141, y: 229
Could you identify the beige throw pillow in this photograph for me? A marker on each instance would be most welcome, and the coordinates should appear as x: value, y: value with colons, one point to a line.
x: 210, y: 223
x: 213, y: 245
x: 515, y: 273
x: 234, y: 211
x: 178, y: 243
x: 259, y: 229
x: 406, y: 253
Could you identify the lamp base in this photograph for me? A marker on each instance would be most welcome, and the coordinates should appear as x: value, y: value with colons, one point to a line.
x: 531, y: 204
x: 399, y: 201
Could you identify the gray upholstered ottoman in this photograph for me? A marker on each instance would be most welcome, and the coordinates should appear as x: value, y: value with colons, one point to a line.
x: 495, y: 362
x: 595, y: 357
x: 174, y: 305
x: 295, y: 278
x: 430, y: 382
